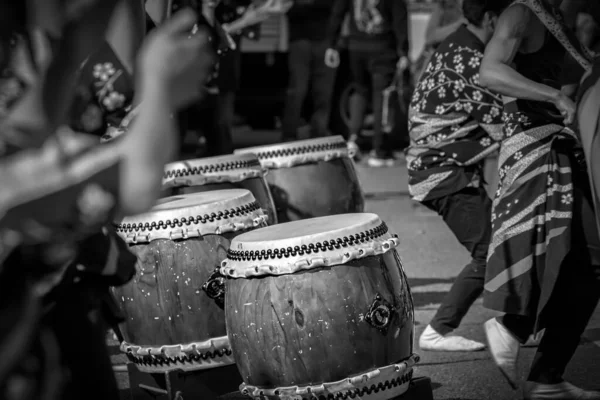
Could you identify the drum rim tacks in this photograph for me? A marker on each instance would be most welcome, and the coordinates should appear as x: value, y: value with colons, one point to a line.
x: 383, y: 378
x: 240, y: 211
x: 290, y: 154
x: 202, y: 171
x: 369, y: 238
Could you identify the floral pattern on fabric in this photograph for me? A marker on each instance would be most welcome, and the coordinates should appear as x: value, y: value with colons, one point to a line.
x: 104, y: 94
x: 454, y: 123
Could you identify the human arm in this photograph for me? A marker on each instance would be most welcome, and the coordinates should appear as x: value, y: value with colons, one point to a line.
x: 126, y: 31
x: 436, y: 33
x: 400, y: 24
x: 338, y: 13
x: 497, y: 74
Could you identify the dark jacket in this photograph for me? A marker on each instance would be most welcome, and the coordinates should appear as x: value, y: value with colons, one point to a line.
x: 375, y: 25
x: 309, y: 19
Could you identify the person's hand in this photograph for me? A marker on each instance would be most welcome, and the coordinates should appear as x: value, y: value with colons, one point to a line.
x: 567, y: 107
x: 403, y: 63
x: 332, y: 58
x: 275, y: 7
x: 175, y: 61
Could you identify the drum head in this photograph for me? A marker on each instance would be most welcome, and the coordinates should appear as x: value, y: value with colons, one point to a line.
x: 286, y: 155
x: 193, y: 215
x: 305, y: 244
x: 202, y: 171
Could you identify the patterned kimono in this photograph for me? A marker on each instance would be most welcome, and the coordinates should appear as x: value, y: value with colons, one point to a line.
x: 454, y: 123
x: 533, y: 207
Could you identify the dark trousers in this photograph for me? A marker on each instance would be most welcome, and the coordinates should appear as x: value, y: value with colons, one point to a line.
x: 468, y: 215
x: 375, y: 71
x: 573, y: 300
x: 307, y: 69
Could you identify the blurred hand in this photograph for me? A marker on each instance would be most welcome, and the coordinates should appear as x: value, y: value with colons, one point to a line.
x: 276, y: 6
x: 175, y: 60
x: 567, y: 108
x: 332, y: 58
x: 403, y: 63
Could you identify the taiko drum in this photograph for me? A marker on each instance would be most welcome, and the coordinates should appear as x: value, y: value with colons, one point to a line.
x: 235, y: 171
x: 174, y: 305
x: 320, y: 307
x: 311, y: 178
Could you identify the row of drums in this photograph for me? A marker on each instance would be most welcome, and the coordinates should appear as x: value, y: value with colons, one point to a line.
x: 265, y: 259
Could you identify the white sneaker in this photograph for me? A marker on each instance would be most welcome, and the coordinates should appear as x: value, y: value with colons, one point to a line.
x: 560, y: 391
x: 504, y: 348
x: 433, y: 341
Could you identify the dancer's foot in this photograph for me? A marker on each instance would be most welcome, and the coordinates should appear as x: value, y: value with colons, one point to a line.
x: 433, y: 341
x: 504, y: 348
x: 560, y: 391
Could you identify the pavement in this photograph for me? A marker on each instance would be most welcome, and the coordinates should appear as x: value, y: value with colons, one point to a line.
x: 432, y: 258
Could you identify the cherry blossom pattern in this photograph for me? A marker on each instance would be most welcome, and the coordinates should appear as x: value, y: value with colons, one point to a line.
x: 106, y: 75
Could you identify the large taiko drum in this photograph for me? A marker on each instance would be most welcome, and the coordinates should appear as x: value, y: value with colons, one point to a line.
x: 320, y: 307
x: 174, y: 305
x: 235, y: 171
x: 311, y: 178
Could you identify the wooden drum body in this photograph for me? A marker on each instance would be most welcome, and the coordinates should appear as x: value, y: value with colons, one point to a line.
x: 320, y: 307
x: 311, y: 178
x: 174, y: 305
x: 236, y: 171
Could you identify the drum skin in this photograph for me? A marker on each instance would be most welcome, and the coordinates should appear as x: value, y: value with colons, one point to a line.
x: 309, y: 328
x: 164, y: 304
x: 257, y: 186
x: 316, y: 189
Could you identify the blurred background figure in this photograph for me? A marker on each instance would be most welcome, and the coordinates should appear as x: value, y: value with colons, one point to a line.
x: 378, y: 47
x: 587, y: 28
x: 446, y: 17
x: 308, y: 72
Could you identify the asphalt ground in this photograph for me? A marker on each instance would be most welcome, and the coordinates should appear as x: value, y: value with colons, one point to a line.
x: 432, y: 258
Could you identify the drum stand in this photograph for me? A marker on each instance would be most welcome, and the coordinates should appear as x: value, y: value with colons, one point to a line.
x: 207, y: 384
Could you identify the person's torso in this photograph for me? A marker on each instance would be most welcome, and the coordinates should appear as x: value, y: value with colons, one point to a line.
x: 370, y: 25
x: 309, y: 10
x: 446, y: 116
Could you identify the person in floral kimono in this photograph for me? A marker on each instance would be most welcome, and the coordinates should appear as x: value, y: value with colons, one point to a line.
x: 60, y: 188
x: 454, y: 124
x: 543, y: 266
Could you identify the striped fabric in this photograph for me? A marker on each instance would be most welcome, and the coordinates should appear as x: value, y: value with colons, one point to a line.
x: 454, y: 123
x: 533, y: 208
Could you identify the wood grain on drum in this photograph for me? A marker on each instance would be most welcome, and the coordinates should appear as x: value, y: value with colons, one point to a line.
x: 165, y: 303
x: 309, y: 327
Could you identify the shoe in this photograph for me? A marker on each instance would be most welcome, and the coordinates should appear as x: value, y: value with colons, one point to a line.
x: 433, y: 341
x: 559, y: 391
x: 504, y: 348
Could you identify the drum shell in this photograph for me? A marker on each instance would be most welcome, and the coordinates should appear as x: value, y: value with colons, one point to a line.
x: 257, y: 186
x: 164, y: 304
x: 316, y: 189
x: 308, y: 328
